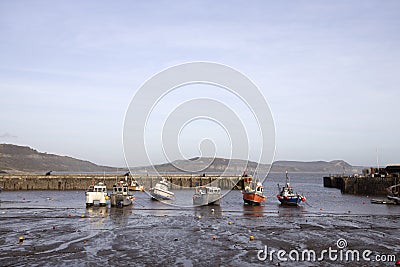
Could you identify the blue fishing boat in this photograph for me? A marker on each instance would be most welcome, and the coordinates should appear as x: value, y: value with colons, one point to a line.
x: 287, y: 196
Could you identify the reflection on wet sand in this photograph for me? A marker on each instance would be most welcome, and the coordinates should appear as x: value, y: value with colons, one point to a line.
x: 291, y: 211
x: 96, y: 212
x: 208, y: 211
x: 120, y: 216
x: 256, y: 211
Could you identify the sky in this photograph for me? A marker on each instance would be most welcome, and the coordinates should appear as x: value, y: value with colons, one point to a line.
x: 328, y: 69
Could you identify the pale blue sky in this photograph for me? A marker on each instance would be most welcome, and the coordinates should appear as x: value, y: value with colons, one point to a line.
x: 329, y: 70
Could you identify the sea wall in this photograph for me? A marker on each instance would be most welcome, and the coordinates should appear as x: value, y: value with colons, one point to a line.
x: 82, y: 181
x: 361, y: 185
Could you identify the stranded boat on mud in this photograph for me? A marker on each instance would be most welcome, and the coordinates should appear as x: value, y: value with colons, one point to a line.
x: 120, y: 195
x: 135, y: 186
x: 287, y: 196
x: 161, y: 191
x: 96, y: 193
x: 253, y: 191
x: 394, y: 194
x: 208, y: 195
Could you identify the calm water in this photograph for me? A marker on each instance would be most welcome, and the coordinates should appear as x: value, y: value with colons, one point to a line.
x: 59, y: 230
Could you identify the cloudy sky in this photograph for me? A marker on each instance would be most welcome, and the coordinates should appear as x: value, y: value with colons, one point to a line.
x: 328, y: 69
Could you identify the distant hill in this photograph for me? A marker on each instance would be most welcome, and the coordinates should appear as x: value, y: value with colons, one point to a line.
x: 237, y: 166
x: 333, y: 167
x: 15, y: 158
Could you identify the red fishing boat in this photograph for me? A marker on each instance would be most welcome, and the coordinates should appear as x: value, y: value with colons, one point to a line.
x: 253, y: 191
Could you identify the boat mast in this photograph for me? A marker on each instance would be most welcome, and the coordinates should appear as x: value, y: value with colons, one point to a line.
x: 287, y: 178
x: 377, y: 159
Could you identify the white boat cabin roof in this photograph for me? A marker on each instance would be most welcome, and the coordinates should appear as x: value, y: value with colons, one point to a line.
x: 100, y: 187
x: 208, y: 190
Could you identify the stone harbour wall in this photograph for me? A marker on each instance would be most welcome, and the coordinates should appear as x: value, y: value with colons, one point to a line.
x: 82, y: 181
x: 372, y: 186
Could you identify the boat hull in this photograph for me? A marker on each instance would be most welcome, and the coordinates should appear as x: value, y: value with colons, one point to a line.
x: 207, y: 199
x: 396, y: 200
x: 96, y: 197
x: 159, y: 194
x: 136, y: 188
x: 253, y: 198
x: 289, y: 201
x: 118, y: 200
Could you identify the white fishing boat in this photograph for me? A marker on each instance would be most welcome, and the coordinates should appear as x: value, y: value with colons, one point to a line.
x: 96, y: 193
x: 161, y: 191
x: 120, y: 195
x: 208, y: 195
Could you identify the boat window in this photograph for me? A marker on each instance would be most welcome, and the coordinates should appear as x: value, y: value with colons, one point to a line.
x: 124, y: 189
x: 119, y: 189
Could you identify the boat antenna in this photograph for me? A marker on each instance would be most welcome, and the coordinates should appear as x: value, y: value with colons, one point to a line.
x: 377, y: 159
x: 287, y: 177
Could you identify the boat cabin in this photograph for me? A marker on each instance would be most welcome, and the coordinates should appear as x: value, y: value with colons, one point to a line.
x: 213, y: 190
x: 100, y: 187
x: 259, y: 189
x: 208, y: 190
x: 120, y: 188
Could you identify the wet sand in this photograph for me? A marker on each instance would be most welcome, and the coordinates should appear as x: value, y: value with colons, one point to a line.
x: 197, y: 237
x: 59, y: 231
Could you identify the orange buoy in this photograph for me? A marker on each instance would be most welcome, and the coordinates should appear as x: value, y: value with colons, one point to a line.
x: 21, y: 239
x: 251, y: 238
x: 214, y: 237
x: 230, y: 223
x: 397, y: 263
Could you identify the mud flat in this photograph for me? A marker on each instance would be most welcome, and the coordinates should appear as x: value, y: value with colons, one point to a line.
x: 59, y: 231
x: 121, y: 237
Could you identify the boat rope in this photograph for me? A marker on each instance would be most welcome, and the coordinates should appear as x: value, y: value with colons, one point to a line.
x: 308, y: 204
